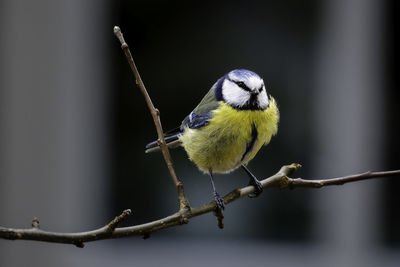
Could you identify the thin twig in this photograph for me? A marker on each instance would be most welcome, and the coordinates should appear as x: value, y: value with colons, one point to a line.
x: 155, y: 113
x: 298, y: 182
x: 114, y: 223
x: 280, y: 180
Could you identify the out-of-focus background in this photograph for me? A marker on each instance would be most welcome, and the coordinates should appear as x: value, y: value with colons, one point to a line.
x: 73, y: 127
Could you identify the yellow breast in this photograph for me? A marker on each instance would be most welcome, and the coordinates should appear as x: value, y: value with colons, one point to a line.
x: 232, y: 138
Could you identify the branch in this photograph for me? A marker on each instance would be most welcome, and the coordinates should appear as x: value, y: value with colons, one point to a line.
x: 155, y: 113
x: 280, y: 180
x: 78, y: 239
x: 298, y: 182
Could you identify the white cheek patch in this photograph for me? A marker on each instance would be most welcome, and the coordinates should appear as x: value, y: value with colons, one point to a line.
x: 233, y: 94
x: 263, y: 101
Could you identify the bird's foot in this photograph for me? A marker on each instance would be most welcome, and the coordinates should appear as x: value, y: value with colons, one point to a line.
x: 258, y: 188
x: 219, y: 201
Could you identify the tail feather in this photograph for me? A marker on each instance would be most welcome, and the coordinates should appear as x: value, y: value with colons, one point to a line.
x: 174, y: 131
x: 172, y: 142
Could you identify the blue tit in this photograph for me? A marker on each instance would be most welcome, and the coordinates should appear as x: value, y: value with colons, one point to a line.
x: 229, y: 126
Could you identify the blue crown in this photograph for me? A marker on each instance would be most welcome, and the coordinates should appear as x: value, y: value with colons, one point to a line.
x: 244, y: 73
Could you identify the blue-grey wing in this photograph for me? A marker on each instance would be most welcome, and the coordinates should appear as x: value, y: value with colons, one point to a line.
x: 194, y: 120
x: 202, y: 114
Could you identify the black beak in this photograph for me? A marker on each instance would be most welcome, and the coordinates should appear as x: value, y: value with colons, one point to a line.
x: 253, y: 97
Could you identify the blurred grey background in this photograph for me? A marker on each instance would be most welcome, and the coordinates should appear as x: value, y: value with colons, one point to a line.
x: 73, y: 127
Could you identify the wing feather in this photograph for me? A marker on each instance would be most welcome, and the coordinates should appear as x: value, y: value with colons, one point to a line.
x: 201, y: 115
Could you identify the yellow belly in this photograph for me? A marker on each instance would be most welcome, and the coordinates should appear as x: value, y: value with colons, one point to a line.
x: 221, y: 145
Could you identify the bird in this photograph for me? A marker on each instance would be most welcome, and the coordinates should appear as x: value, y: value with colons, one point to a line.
x: 227, y: 128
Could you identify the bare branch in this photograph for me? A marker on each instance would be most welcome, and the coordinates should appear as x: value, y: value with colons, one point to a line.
x: 298, y: 182
x: 77, y: 239
x: 280, y: 180
x: 155, y: 113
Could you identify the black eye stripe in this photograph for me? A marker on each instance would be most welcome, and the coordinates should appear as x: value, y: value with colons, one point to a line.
x: 242, y: 85
x: 245, y: 87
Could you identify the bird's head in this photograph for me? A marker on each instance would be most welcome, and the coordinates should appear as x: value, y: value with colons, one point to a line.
x: 242, y: 89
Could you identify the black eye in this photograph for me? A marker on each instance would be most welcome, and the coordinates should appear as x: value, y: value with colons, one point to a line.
x: 261, y: 88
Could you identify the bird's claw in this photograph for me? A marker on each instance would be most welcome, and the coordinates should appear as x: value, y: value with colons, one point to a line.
x: 258, y: 188
x: 219, y: 201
